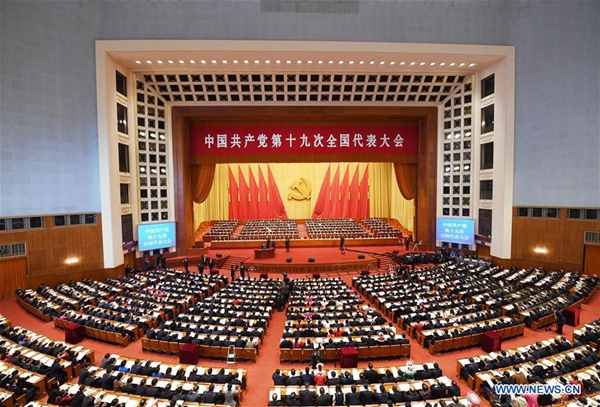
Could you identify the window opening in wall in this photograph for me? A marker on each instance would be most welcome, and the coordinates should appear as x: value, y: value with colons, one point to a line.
x: 121, y: 119
x: 121, y: 84
x: 487, y: 156
x: 486, y: 190
x: 123, y: 158
x: 487, y: 86
x: 487, y: 119
x: 485, y: 222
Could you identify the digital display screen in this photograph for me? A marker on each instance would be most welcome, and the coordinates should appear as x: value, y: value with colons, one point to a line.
x: 156, y: 236
x: 454, y: 230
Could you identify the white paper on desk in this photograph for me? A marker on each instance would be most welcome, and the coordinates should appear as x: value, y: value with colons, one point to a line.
x: 445, y: 380
x: 187, y: 386
x: 417, y: 385
x: 404, y: 387
x: 132, y: 403
x: 123, y: 399
x: 73, y: 389
x: 108, y: 398
x: 136, y: 380
x: 33, y: 378
x: 356, y: 374
x: 547, y: 363
x: 293, y: 389
x: 162, y: 384
x: 276, y: 391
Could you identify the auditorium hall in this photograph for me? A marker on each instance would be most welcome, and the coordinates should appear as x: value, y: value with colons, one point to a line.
x: 299, y: 203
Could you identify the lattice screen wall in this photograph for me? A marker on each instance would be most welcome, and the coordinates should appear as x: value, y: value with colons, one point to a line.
x: 152, y: 154
x: 457, y: 155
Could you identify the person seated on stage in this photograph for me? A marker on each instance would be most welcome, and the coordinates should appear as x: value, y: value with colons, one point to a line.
x: 275, y: 401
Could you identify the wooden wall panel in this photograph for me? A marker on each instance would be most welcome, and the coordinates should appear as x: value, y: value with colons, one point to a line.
x: 49, y: 247
x: 13, y: 275
x: 562, y: 237
x: 591, y: 265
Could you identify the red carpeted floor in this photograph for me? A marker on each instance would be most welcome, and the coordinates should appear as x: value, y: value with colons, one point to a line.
x: 300, y: 255
x: 259, y: 374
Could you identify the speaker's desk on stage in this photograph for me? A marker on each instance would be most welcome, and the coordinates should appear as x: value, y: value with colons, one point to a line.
x: 264, y: 253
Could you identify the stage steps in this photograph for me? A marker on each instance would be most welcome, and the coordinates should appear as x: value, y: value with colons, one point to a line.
x: 384, y: 262
x: 233, y: 260
x: 236, y: 231
x: 302, y: 231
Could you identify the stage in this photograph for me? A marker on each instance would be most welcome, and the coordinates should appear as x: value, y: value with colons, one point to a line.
x: 326, y: 259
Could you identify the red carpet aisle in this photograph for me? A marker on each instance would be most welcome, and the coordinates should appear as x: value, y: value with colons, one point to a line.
x: 259, y: 374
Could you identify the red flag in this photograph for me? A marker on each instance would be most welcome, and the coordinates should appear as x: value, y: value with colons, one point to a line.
x: 243, y: 193
x: 364, y: 195
x: 275, y: 201
x: 354, y: 204
x: 263, y: 204
x: 322, y: 199
x: 253, y: 200
x: 334, y: 197
x: 233, y: 196
x: 343, y: 205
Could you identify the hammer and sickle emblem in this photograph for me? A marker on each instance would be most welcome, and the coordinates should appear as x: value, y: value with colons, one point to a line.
x: 299, y: 190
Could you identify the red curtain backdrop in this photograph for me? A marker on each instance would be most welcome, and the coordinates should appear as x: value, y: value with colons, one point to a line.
x: 234, y: 196
x: 343, y: 199
x: 243, y: 201
x: 258, y: 200
x: 353, y: 199
x: 253, y: 199
x: 202, y: 179
x: 277, y: 210
x: 323, y: 198
x: 363, y: 203
x: 406, y: 177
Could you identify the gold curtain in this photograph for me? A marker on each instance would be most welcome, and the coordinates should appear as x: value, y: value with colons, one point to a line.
x: 406, y: 176
x: 202, y: 180
x: 381, y: 189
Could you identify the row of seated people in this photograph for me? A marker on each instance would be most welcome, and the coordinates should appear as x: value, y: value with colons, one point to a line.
x: 245, y: 295
x: 22, y: 383
x: 156, y: 312
x: 272, y: 227
x: 125, y: 332
x: 4, y: 322
x: 37, y: 305
x: 368, y: 387
x: 191, y: 373
x: 370, y: 375
x: 589, y: 333
x: 143, y: 301
x: 121, y: 315
x: 110, y: 286
x: 222, y: 228
x: 192, y: 396
x: 40, y: 343
x: 548, y: 367
x: 120, y: 380
x: 334, y: 228
x: 79, y: 294
x: 52, y: 368
x: 385, y: 288
x: 468, y: 367
x: 58, y: 298
x: 587, y: 378
x: 381, y: 226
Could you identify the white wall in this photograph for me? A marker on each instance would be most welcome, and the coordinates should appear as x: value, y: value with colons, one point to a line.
x: 48, y: 121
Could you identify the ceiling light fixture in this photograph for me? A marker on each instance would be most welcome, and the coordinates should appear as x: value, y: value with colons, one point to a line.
x: 267, y: 61
x: 402, y: 63
x: 181, y: 61
x: 320, y: 62
x: 422, y: 63
x: 256, y: 61
x: 277, y: 61
x: 351, y: 62
x: 289, y: 61
x: 192, y: 61
x: 309, y: 61
x: 246, y: 61
x: 361, y: 62
x: 432, y: 64
x: 412, y: 63
x: 299, y: 62
x: 160, y: 62
x: 393, y: 63
x: 149, y: 62
x: 235, y: 61
x: 371, y: 62
x: 462, y: 64
x: 442, y: 63
x: 331, y: 62
x: 472, y: 64
x: 138, y: 62
x: 214, y: 61
x: 452, y: 64
x: 224, y: 61
x: 170, y: 61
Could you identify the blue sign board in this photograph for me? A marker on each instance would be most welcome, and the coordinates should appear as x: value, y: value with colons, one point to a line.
x: 156, y: 236
x: 455, y: 230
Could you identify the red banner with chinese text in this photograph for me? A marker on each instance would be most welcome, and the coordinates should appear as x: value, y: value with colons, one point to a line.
x: 310, y: 139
